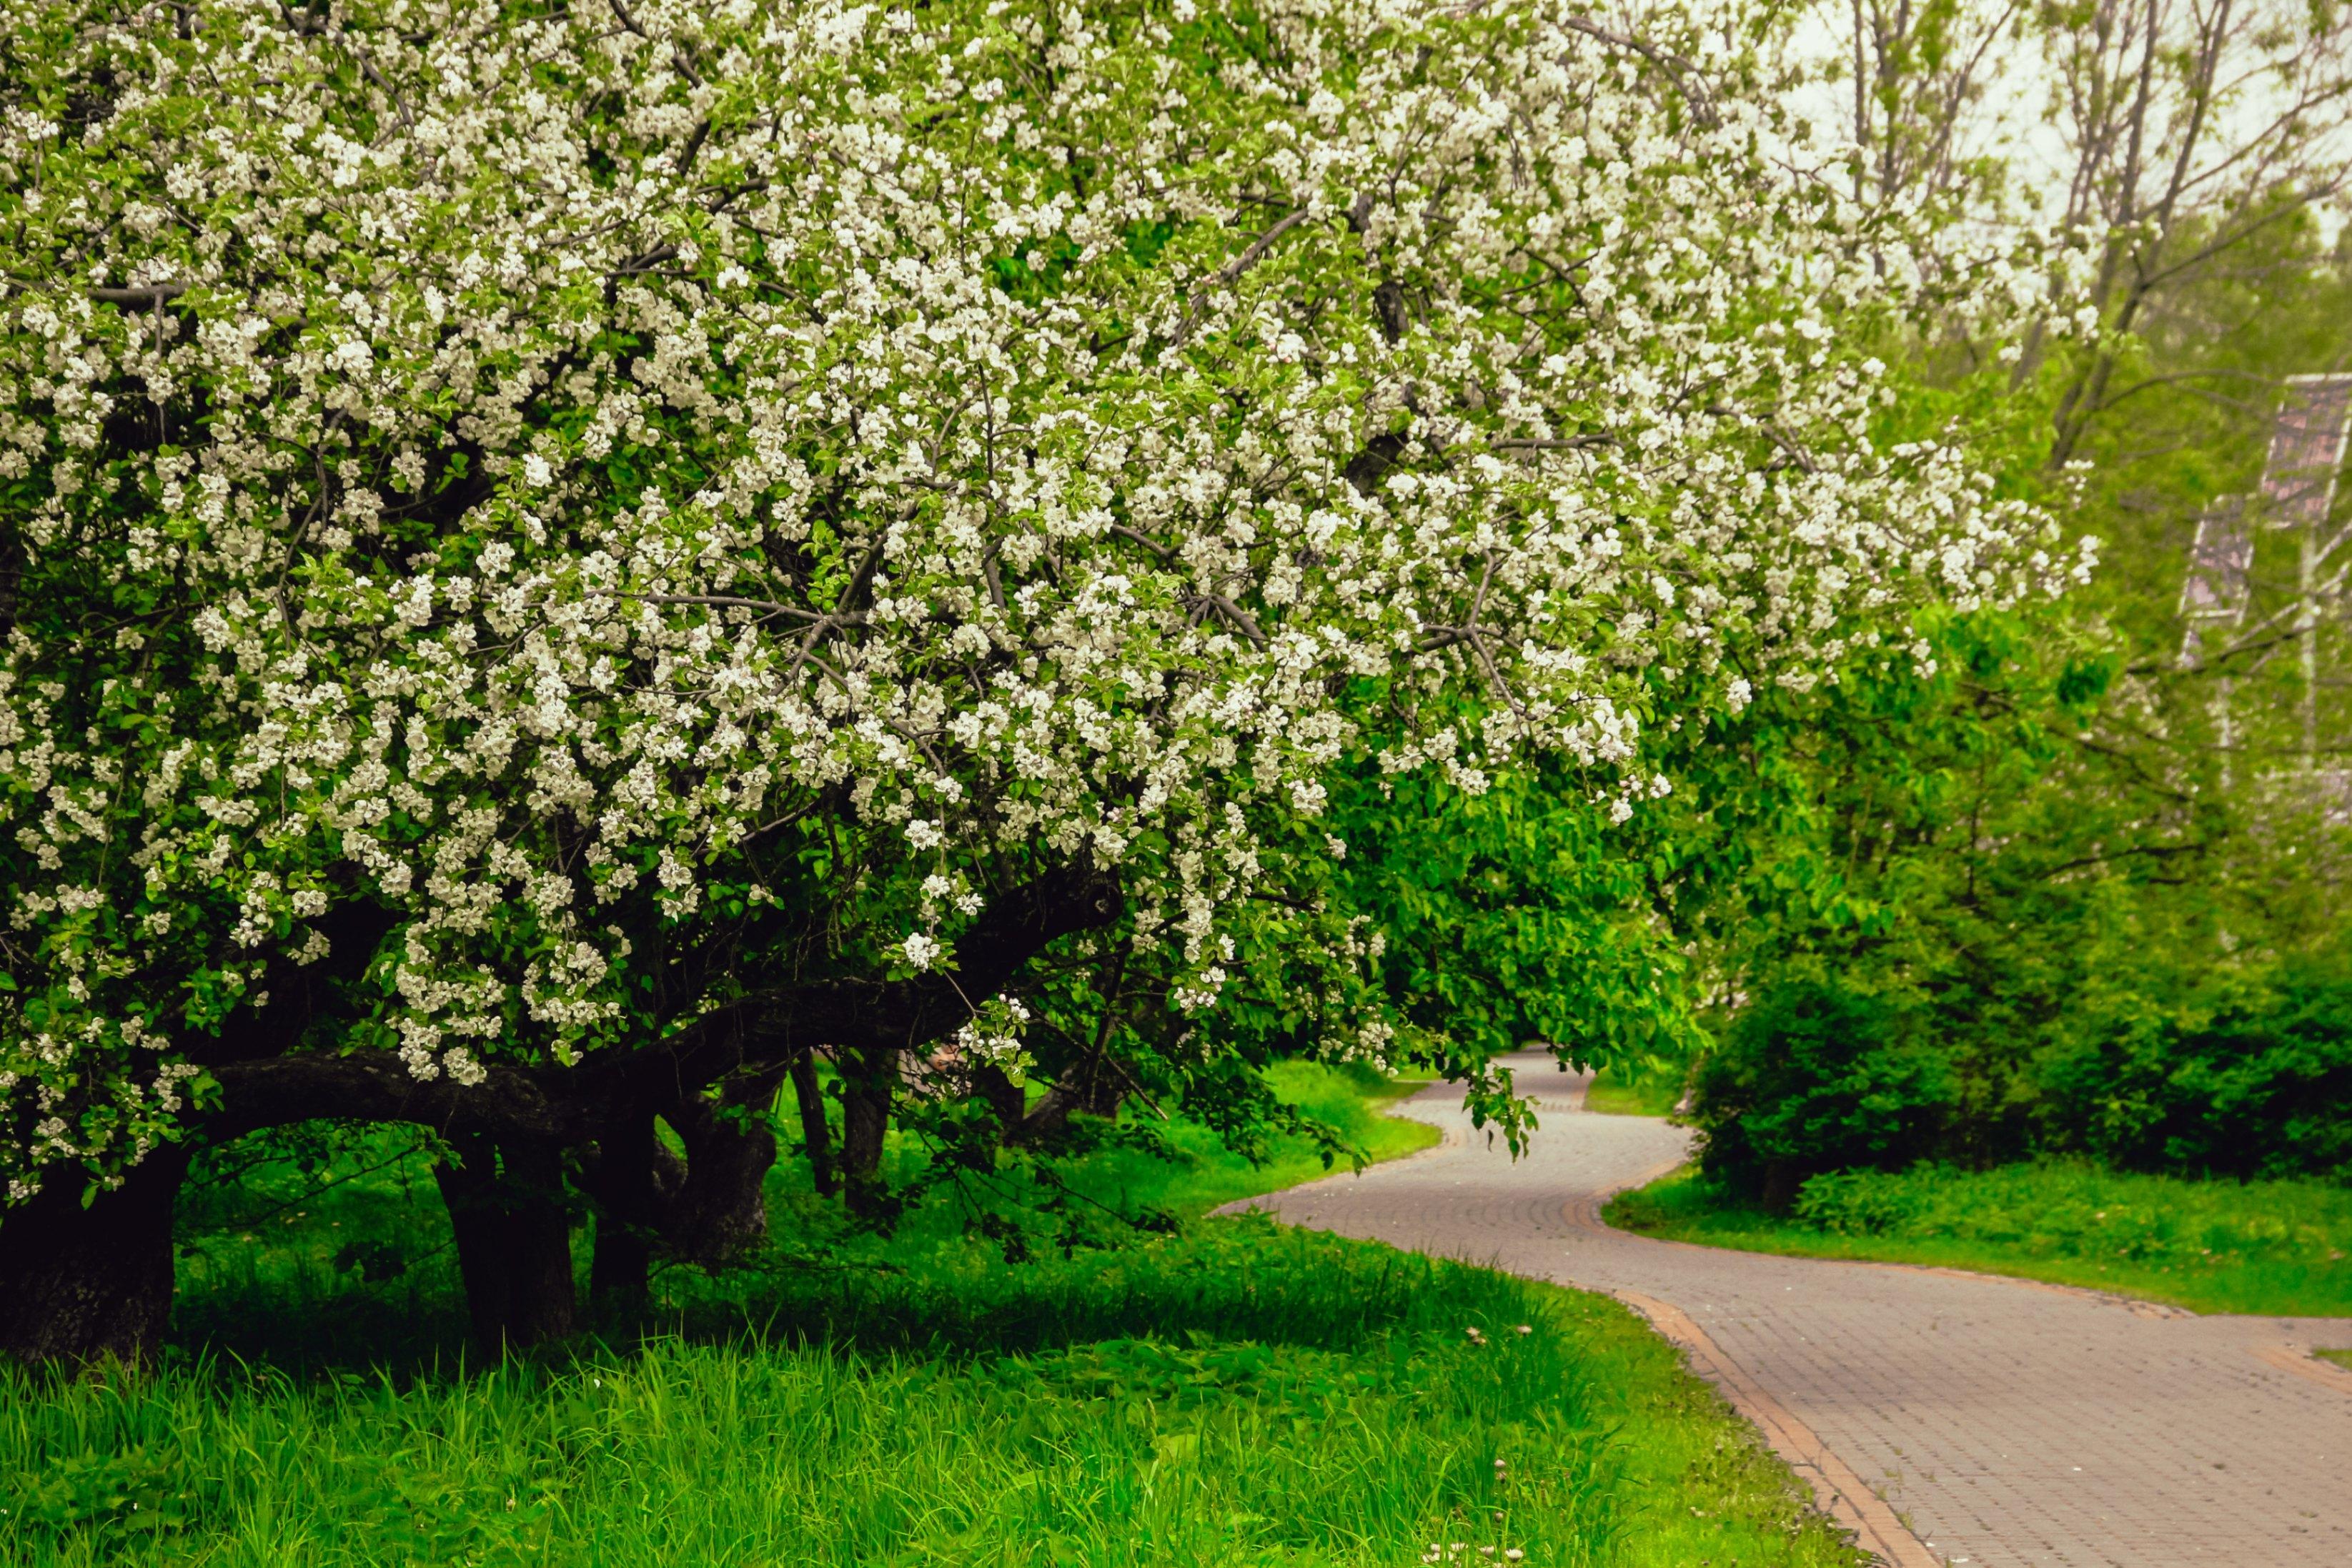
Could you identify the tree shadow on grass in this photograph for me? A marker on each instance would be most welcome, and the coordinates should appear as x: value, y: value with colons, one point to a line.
x: 361, y: 1277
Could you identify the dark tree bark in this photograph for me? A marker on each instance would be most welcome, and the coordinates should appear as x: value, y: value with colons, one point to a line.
x: 1047, y: 1118
x: 1006, y: 1097
x: 81, y: 1285
x: 263, y: 1087
x: 632, y: 1180
x: 816, y: 1133
x: 720, y: 1211
x: 1103, y: 1091
x: 514, y: 1239
x: 868, y: 1076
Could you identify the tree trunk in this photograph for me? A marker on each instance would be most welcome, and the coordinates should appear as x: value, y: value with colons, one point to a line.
x: 720, y: 1212
x: 816, y: 1135
x: 1048, y: 1119
x: 79, y: 1285
x: 867, y: 1079
x: 630, y: 1196
x: 1006, y: 1097
x: 514, y: 1240
x: 1104, y: 1089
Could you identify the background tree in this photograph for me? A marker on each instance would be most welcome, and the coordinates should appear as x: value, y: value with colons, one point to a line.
x: 2076, y: 887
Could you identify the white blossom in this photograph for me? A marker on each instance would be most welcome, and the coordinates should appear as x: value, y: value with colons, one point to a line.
x: 629, y: 438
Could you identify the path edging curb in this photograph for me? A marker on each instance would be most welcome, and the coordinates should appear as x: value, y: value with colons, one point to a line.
x: 1840, y: 1493
x: 2298, y: 1359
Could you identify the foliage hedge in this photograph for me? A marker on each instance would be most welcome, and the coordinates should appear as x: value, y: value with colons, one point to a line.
x: 1968, y: 931
x: 1818, y: 1075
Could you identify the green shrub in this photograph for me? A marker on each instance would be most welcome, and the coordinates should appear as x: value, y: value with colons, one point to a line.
x: 2262, y: 1090
x: 1813, y: 1077
x: 1866, y: 1202
x: 1821, y: 1076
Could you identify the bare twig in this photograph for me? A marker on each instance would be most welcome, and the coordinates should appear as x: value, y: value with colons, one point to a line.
x: 1572, y: 444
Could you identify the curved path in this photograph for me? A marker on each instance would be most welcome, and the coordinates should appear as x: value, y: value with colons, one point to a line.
x: 1947, y: 1417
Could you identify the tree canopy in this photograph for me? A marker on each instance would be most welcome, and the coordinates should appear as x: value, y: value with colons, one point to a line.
x: 553, y: 554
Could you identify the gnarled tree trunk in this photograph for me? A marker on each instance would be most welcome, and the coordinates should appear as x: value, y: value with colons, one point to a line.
x: 868, y: 1079
x: 633, y: 1179
x: 79, y: 1285
x: 514, y: 1239
x: 720, y: 1211
x: 817, y: 1134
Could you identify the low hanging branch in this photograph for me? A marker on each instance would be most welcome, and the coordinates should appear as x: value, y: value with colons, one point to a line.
x: 575, y: 1105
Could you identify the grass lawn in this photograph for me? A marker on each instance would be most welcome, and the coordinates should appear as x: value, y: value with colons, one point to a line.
x: 2341, y: 1358
x: 1235, y: 1393
x: 1652, y: 1095
x: 1352, y: 1100
x: 2213, y: 1247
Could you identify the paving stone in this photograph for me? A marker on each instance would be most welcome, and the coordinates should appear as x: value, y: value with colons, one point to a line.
x: 2008, y: 1423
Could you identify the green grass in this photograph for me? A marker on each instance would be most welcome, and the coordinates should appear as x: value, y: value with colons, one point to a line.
x: 269, y: 1271
x: 1205, y: 1174
x: 1237, y: 1393
x: 2276, y: 1247
x: 2341, y: 1358
x: 1243, y: 1397
x: 1652, y: 1094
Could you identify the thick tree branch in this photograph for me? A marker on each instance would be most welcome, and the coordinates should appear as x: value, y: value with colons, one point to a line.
x: 146, y: 296
x: 575, y: 1104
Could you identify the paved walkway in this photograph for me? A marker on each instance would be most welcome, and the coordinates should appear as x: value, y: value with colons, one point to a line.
x: 1947, y: 1417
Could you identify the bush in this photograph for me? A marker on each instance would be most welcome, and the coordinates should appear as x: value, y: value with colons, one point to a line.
x: 1815, y: 1076
x: 1820, y: 1076
x: 1869, y: 1203
x: 1977, y: 933
x: 2261, y: 1089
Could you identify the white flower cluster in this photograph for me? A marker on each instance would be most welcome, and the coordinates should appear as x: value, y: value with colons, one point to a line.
x: 575, y: 475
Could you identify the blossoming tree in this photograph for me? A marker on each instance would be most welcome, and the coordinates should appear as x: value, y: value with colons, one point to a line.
x: 549, y: 554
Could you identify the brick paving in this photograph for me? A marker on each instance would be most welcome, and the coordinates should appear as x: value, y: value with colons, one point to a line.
x: 2006, y: 1424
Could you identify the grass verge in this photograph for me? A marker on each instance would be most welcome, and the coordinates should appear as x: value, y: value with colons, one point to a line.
x: 2274, y: 1248
x: 1236, y: 1394
x: 1196, y: 1173
x: 1652, y: 1095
